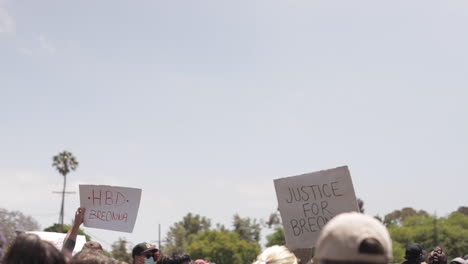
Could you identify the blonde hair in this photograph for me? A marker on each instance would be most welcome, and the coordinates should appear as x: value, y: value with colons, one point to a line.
x: 276, y: 255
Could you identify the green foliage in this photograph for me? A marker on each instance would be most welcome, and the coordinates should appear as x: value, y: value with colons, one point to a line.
x: 119, y: 251
x: 64, y: 162
x: 398, y: 216
x: 247, y: 228
x: 276, y: 238
x: 58, y: 228
x: 463, y: 210
x: 450, y: 233
x: 223, y: 247
x: 180, y: 233
x: 398, y: 251
x: 10, y: 221
x: 107, y: 254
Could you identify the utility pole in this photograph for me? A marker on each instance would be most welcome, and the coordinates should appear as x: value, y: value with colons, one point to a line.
x: 436, y: 232
x: 159, y: 236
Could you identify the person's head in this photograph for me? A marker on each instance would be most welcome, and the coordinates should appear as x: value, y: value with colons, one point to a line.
x: 144, y: 253
x: 30, y: 249
x: 353, y: 238
x: 201, y: 261
x: 90, y: 256
x: 93, y: 245
x: 437, y: 256
x: 276, y: 255
x: 414, y: 252
x: 175, y: 258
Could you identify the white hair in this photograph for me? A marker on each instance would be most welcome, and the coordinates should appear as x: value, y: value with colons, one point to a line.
x: 276, y: 255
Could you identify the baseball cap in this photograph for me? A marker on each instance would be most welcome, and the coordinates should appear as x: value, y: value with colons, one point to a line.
x: 458, y: 261
x: 354, y: 237
x: 413, y: 251
x: 142, y: 248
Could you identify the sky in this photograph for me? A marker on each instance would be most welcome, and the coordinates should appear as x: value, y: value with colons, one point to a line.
x: 202, y: 104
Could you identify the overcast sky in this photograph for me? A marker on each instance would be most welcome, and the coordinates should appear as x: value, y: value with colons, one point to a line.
x: 203, y: 103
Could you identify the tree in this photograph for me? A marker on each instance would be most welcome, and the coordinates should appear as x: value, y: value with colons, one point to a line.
x: 120, y: 252
x: 274, y: 219
x: 398, y: 216
x: 64, y: 162
x: 11, y: 221
x: 247, y: 228
x: 451, y: 234
x: 361, y: 205
x: 59, y: 229
x: 179, y: 234
x: 276, y: 238
x: 463, y: 210
x: 223, y: 247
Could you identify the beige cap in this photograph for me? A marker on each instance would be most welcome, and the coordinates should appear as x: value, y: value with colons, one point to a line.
x: 341, y: 238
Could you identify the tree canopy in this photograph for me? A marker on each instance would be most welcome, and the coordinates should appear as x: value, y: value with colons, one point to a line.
x: 179, y: 234
x: 451, y: 233
x: 120, y: 251
x: 11, y: 221
x: 58, y: 228
x: 248, y: 229
x: 195, y: 236
x: 223, y: 247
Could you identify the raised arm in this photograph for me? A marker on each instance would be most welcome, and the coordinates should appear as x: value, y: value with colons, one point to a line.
x: 70, y: 239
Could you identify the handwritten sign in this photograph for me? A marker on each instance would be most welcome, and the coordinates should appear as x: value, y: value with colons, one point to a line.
x: 307, y: 202
x: 57, y: 240
x: 110, y: 207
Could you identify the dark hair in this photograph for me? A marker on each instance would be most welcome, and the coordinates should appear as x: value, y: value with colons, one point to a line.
x: 30, y: 249
x: 2, y: 245
x: 175, y: 258
x: 90, y: 256
x: 413, y: 252
x: 437, y: 256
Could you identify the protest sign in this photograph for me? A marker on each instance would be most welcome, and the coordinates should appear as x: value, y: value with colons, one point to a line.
x: 307, y: 202
x: 57, y: 239
x: 110, y: 207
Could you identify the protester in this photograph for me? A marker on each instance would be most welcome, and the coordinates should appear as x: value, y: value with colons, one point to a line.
x: 93, y: 245
x: 201, y: 261
x: 413, y: 254
x: 175, y: 258
x: 30, y: 249
x: 353, y: 238
x: 437, y: 256
x: 2, y: 245
x: 91, y: 256
x: 144, y: 253
x: 276, y: 255
x: 70, y: 239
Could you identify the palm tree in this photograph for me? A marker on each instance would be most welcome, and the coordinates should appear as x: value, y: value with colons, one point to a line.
x: 64, y: 162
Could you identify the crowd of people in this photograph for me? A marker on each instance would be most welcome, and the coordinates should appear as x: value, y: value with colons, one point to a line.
x: 349, y: 238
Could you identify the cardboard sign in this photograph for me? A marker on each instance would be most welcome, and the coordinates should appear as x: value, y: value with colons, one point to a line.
x: 110, y: 207
x: 57, y: 240
x: 307, y: 202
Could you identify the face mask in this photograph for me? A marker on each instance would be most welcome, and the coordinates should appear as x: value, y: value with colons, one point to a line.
x: 149, y: 260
